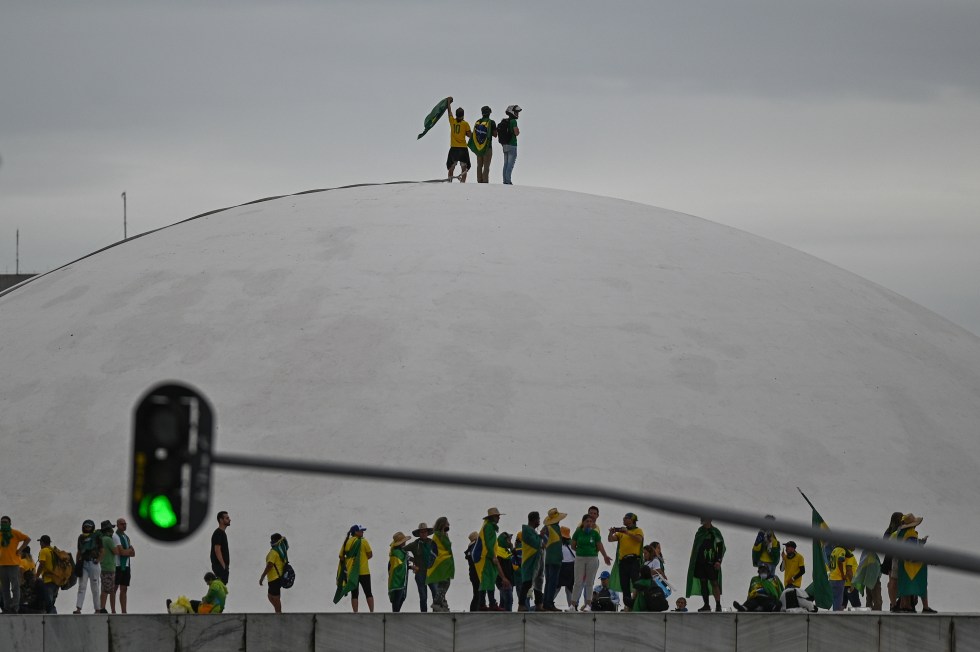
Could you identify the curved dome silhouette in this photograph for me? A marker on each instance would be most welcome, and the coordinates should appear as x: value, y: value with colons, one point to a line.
x: 515, y: 331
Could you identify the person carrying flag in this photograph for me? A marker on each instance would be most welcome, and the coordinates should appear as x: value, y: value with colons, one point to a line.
x: 397, y: 571
x: 530, y: 556
x: 481, y: 144
x: 459, y: 130
x: 484, y: 554
x: 443, y: 568
x: 704, y: 569
x: 355, y: 571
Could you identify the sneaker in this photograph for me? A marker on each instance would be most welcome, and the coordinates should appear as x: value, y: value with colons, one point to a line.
x: 737, y: 606
x: 78, y: 611
x: 718, y: 608
x: 521, y: 608
x: 927, y: 610
x: 706, y: 607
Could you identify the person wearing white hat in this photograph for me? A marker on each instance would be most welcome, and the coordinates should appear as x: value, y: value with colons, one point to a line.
x: 507, y: 132
x: 397, y: 571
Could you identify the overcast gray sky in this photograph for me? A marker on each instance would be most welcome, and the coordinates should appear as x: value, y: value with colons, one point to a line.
x: 845, y: 128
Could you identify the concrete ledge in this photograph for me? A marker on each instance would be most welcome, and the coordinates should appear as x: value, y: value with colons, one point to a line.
x: 489, y: 632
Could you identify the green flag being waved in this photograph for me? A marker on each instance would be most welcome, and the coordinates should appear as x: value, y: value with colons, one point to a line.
x: 434, y: 115
x: 823, y: 595
x: 349, y: 569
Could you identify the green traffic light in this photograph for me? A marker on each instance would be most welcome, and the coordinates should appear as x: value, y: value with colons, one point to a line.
x: 159, y: 510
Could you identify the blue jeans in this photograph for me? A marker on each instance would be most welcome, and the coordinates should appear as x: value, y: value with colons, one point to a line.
x: 510, y: 158
x: 48, y: 596
x: 423, y: 595
x: 551, y: 572
x: 507, y: 598
x: 838, y: 588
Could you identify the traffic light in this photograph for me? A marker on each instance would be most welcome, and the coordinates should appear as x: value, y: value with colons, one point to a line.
x: 173, y: 436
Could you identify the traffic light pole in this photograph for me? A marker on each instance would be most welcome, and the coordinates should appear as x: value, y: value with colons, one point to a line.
x: 932, y: 555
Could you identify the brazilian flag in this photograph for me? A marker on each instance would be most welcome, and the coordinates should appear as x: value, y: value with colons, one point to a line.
x: 482, y: 134
x: 443, y: 568
x: 483, y: 553
x: 434, y: 115
x: 823, y: 595
x: 349, y: 570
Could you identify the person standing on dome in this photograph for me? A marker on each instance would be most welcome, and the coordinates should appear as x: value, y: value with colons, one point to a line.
x: 459, y: 130
x: 481, y: 143
x: 507, y: 133
x: 275, y: 563
x: 704, y: 569
x: 629, y: 540
x: 553, y: 556
x: 11, y: 543
x: 423, y: 551
x: 397, y: 571
x: 87, y: 556
x: 443, y: 569
x: 766, y: 549
x: 220, y: 554
x: 356, y: 554
x: 793, y: 566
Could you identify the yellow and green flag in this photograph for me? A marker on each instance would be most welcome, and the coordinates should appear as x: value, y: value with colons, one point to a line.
x: 483, y: 553
x: 349, y: 569
x: 482, y: 134
x: 443, y: 568
x: 823, y: 595
x: 434, y: 115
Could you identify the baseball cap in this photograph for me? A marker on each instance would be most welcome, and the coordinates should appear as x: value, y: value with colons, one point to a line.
x: 604, y: 575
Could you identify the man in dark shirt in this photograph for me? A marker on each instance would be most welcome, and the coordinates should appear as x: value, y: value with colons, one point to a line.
x: 220, y: 555
x: 423, y: 551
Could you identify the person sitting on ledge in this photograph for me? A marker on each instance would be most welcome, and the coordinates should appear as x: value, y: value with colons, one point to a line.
x: 212, y: 603
x: 764, y: 592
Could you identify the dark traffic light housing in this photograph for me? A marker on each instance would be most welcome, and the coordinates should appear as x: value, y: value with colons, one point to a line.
x: 173, y: 439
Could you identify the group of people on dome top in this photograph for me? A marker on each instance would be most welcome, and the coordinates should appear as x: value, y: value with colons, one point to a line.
x: 481, y: 137
x: 545, y: 559
x: 526, y: 570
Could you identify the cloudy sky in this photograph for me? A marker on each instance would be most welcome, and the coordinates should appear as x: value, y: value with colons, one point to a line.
x: 845, y: 128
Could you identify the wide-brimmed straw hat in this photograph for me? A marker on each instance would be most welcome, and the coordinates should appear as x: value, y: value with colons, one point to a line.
x: 554, y: 516
x: 423, y: 527
x: 910, y: 520
x: 493, y: 511
x: 398, y: 539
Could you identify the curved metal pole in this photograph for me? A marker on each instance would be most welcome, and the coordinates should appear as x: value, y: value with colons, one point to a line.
x: 932, y: 555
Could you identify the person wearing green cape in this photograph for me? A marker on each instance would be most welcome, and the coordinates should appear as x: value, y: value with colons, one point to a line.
x: 704, y: 569
x: 443, y: 569
x: 397, y: 571
x: 354, y: 572
x: 485, y: 560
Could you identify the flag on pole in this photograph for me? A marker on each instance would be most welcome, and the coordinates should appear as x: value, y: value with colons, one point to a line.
x: 819, y: 588
x: 434, y: 115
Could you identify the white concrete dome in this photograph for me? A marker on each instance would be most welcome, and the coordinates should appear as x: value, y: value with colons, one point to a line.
x: 506, y: 330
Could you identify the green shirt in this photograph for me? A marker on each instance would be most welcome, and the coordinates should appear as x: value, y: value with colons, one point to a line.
x: 108, y: 556
x: 513, y: 126
x: 586, y: 543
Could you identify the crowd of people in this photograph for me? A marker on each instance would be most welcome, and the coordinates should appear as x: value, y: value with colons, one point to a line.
x: 526, y: 570
x: 479, y: 140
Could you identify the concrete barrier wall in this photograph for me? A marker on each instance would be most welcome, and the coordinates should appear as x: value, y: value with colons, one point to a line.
x: 488, y: 632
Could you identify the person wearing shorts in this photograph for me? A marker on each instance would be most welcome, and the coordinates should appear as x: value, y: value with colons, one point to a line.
x: 459, y: 130
x: 275, y: 562
x: 108, y: 562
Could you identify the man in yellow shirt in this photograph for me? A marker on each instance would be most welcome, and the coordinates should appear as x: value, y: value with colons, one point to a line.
x: 630, y: 544
x: 459, y: 131
x: 45, y: 570
x: 11, y: 543
x: 793, y: 566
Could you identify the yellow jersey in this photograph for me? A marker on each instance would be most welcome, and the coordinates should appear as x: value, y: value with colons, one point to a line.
x: 792, y: 566
x: 276, y: 571
x: 458, y: 129
x: 363, y: 568
x: 628, y: 545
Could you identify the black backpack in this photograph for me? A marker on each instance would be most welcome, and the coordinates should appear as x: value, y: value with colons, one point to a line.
x: 505, y: 132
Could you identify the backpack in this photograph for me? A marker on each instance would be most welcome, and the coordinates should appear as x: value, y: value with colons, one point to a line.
x: 655, y: 598
x: 505, y: 132
x: 288, y: 576
x: 64, y: 569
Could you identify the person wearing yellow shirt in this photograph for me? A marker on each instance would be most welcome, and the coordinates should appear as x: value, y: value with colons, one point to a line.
x: 630, y: 544
x: 839, y: 575
x: 275, y: 562
x: 793, y: 566
x: 851, y: 596
x: 45, y: 570
x: 459, y: 131
x: 11, y: 543
x: 357, y: 551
